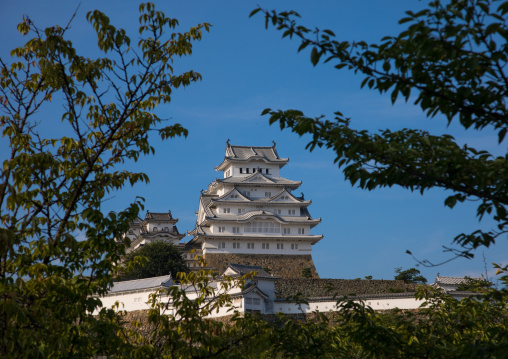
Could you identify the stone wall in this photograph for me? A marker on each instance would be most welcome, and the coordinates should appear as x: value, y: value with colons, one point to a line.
x: 312, y: 288
x: 281, y: 265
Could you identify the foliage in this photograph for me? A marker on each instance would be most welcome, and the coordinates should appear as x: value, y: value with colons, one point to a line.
x: 411, y: 275
x: 162, y: 259
x: 395, y: 290
x: 57, y: 247
x: 444, y: 328
x: 306, y: 273
x: 177, y: 327
x: 474, y: 285
x: 451, y: 59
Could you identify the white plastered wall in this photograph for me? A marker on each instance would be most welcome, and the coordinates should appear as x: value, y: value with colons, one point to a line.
x: 213, y: 247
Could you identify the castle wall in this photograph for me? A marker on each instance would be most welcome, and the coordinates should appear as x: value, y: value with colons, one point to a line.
x: 281, y: 265
x: 315, y: 288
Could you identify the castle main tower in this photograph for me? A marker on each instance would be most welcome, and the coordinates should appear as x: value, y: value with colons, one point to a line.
x: 250, y: 216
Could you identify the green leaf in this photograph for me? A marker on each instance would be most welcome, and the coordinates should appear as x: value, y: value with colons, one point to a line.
x: 314, y: 56
x: 254, y: 12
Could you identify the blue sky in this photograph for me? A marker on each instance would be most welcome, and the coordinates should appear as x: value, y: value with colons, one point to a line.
x: 245, y: 69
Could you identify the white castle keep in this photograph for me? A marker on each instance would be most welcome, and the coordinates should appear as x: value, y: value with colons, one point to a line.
x: 251, y: 216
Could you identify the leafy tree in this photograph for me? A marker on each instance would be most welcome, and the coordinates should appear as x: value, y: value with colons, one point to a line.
x: 163, y: 258
x: 474, y: 285
x: 452, y: 58
x: 57, y: 247
x: 443, y: 328
x: 411, y: 275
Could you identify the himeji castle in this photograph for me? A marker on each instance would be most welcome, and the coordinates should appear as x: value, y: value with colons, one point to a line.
x: 247, y: 221
x: 251, y: 216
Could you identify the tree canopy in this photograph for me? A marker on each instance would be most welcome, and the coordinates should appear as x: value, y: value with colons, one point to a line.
x: 162, y: 259
x: 474, y: 285
x: 451, y: 61
x: 411, y: 275
x: 57, y: 247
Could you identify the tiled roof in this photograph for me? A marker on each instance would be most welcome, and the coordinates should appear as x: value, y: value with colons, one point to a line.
x: 242, y: 269
x: 277, y: 181
x: 452, y: 280
x: 247, y: 153
x: 198, y: 230
x: 258, y: 176
x: 147, y: 283
x: 201, y: 232
x: 250, y: 287
x: 279, y: 218
x: 158, y: 216
x: 263, y: 200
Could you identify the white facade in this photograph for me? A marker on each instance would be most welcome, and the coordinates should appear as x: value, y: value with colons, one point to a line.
x: 155, y: 227
x: 252, y: 210
x: 258, y: 295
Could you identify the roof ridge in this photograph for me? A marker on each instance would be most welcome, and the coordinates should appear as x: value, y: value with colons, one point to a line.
x: 149, y: 278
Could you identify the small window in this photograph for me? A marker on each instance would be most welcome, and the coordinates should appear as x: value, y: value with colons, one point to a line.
x: 287, y: 230
x: 252, y: 301
x: 250, y: 245
x: 265, y: 246
x: 246, y: 170
x: 236, y: 245
x: 280, y: 245
x: 267, y: 172
x: 294, y: 246
x: 291, y: 211
x: 222, y: 244
x: 236, y: 230
x: 253, y: 170
x: 247, y: 193
x: 155, y: 229
x: 226, y: 210
x: 241, y: 170
x: 301, y: 230
x: 268, y: 194
x: 222, y: 229
x: 166, y: 229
